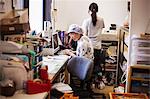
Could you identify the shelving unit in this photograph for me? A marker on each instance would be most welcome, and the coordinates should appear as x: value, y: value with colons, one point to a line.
x: 109, y: 45
x: 138, y: 20
x: 138, y: 79
x: 110, y: 67
x: 122, y: 53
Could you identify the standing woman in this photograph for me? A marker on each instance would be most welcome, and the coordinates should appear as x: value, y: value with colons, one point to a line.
x: 92, y: 27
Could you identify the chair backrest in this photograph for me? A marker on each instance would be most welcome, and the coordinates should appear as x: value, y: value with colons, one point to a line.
x: 80, y: 67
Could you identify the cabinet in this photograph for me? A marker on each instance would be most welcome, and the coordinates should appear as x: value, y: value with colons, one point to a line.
x: 138, y: 21
x: 139, y: 79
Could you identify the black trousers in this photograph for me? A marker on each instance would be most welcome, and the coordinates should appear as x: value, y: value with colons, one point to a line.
x: 99, y: 59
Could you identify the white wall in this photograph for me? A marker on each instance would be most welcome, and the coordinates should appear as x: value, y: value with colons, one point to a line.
x: 74, y: 11
x: 36, y: 15
x: 149, y: 8
x: 139, y: 16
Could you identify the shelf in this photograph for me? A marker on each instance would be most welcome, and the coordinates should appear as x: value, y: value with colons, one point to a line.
x: 122, y: 53
x: 141, y: 66
x: 140, y: 79
x: 112, y: 70
x: 125, y: 54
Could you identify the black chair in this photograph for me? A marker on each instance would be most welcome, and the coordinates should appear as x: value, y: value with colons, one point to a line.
x: 80, y: 70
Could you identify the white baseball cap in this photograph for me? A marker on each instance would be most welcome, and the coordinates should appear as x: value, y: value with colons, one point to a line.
x: 75, y: 28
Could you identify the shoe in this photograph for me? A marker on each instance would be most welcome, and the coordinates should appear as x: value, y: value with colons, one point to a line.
x: 101, y: 85
x: 104, y: 79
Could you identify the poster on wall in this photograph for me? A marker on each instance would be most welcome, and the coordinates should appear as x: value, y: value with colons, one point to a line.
x: 2, y: 6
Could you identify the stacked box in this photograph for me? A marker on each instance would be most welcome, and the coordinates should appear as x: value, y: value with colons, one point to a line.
x: 140, y: 51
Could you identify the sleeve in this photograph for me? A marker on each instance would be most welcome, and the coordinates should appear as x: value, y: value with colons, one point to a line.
x: 81, y: 49
x: 85, y: 27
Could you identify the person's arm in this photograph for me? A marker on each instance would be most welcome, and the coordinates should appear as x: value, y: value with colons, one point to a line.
x: 85, y: 27
x: 126, y: 21
x: 81, y: 49
x: 103, y: 23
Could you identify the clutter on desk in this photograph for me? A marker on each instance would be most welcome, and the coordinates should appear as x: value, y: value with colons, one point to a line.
x: 34, y: 87
x: 39, y: 85
x: 15, y: 21
x: 17, y: 62
x: 64, y: 88
x: 14, y: 71
x: 12, y: 47
x: 58, y: 90
x: 47, y: 51
x: 8, y: 87
x: 69, y: 96
x: 113, y: 27
x: 64, y: 37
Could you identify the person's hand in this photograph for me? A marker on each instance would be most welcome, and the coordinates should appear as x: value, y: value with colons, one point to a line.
x: 69, y: 52
x: 126, y: 24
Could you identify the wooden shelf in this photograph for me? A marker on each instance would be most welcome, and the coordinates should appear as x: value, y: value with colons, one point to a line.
x: 140, y: 79
x: 122, y: 53
x: 141, y: 66
x: 138, y: 74
x: 112, y: 70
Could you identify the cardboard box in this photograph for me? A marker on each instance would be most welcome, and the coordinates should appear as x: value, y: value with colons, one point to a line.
x: 14, y: 22
x: 15, y: 17
x: 15, y: 28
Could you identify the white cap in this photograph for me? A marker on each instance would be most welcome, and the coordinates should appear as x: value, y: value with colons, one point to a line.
x: 75, y: 28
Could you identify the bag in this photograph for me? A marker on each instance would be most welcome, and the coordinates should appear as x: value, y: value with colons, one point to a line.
x: 37, y: 86
x: 7, y: 87
x: 14, y: 71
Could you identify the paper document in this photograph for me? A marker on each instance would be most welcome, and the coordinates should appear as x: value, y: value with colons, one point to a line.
x: 65, y: 88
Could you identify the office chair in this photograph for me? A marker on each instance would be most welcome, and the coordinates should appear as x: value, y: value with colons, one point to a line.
x: 80, y: 70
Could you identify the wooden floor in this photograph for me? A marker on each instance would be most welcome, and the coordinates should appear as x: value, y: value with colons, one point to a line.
x: 106, y: 90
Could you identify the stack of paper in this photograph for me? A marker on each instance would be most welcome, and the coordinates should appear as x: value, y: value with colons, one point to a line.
x: 64, y: 88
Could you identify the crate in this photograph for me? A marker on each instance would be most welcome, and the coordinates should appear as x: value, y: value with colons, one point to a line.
x: 127, y: 96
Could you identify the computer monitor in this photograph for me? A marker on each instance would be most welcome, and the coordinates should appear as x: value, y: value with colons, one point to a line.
x: 55, y: 42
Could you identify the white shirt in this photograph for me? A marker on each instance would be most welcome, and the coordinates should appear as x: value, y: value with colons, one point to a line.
x: 93, y: 32
x: 85, y: 48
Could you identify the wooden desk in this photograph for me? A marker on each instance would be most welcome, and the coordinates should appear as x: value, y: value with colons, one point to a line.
x: 20, y: 94
x: 55, y: 65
